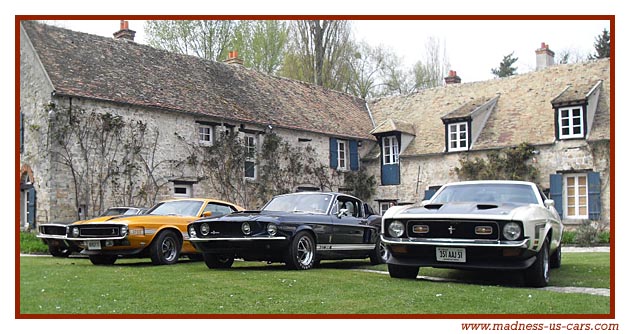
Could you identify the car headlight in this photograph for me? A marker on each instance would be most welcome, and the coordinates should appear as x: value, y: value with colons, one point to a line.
x: 123, y: 231
x: 272, y: 229
x: 75, y: 232
x: 246, y: 228
x: 396, y: 229
x: 512, y: 231
x: 204, y: 229
x: 191, y: 232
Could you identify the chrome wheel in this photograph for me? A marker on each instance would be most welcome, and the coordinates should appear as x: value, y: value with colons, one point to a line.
x: 169, y: 249
x: 305, y: 252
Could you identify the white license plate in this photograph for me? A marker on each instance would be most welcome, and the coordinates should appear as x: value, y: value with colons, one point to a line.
x: 450, y: 254
x: 94, y: 244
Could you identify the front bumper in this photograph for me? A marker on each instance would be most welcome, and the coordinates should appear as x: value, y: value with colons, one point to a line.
x: 480, y: 254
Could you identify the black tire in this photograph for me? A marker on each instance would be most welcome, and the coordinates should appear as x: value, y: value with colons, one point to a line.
x: 537, y: 275
x: 556, y: 258
x: 59, y: 251
x: 397, y: 271
x: 103, y: 260
x: 301, y: 252
x: 380, y: 254
x: 165, y: 248
x: 214, y: 261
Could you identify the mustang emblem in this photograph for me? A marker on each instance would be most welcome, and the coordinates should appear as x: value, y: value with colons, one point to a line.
x: 214, y: 232
x: 451, y: 229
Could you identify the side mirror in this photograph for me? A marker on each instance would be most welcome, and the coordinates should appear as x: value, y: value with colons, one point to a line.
x: 206, y: 214
x: 342, y: 212
x: 549, y: 203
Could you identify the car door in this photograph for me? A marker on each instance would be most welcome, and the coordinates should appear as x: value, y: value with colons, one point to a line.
x: 349, y: 225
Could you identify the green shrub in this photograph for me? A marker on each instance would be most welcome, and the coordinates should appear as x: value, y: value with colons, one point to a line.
x: 568, y: 237
x: 29, y: 243
x: 603, y: 237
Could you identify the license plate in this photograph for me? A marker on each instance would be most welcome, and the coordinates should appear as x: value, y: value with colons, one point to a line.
x: 450, y: 254
x: 94, y: 244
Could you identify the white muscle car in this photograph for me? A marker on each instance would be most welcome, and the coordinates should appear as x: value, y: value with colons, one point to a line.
x: 499, y: 225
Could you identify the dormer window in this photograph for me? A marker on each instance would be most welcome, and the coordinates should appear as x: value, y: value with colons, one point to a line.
x: 390, y: 150
x: 458, y: 137
x: 571, y: 122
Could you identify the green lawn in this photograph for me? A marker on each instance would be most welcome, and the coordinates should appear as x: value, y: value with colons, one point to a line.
x: 75, y: 286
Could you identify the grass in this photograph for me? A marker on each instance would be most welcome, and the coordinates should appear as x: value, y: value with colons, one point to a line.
x: 133, y: 286
x: 30, y: 244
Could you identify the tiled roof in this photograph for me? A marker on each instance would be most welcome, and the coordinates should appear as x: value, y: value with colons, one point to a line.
x: 90, y: 66
x: 390, y: 125
x: 523, y: 113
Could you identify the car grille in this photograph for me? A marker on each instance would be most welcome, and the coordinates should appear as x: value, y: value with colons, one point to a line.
x: 231, y: 229
x: 53, y: 230
x: 99, y: 231
x: 453, y: 229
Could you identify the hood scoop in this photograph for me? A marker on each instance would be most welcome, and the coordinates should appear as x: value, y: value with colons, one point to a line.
x: 435, y: 206
x: 486, y: 206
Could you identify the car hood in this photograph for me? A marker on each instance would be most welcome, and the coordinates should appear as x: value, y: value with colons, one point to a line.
x: 478, y: 210
x: 262, y: 216
x: 139, y: 219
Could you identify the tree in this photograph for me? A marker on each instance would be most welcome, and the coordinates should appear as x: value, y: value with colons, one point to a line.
x: 431, y: 73
x: 505, y: 68
x: 205, y: 39
x: 319, y: 53
x: 262, y: 43
x: 602, y: 46
x: 396, y: 79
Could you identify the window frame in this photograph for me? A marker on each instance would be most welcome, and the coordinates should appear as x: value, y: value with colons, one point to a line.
x: 390, y: 150
x: 250, y: 149
x: 574, y: 200
x: 186, y: 186
x: 209, y: 134
x: 572, y: 134
x: 458, y: 140
x: 342, y: 155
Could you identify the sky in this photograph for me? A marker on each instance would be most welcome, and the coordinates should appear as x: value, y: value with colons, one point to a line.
x: 472, y: 47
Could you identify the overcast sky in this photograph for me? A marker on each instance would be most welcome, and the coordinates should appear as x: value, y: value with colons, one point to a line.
x: 473, y: 47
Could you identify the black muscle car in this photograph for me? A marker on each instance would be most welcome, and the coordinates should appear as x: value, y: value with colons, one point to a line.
x: 298, y: 229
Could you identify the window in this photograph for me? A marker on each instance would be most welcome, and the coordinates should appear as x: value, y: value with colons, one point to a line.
x: 218, y: 209
x: 570, y: 122
x: 576, y: 193
x: 250, y: 156
x: 385, y: 205
x: 390, y: 150
x: 342, y: 155
x: 182, y: 190
x: 206, y: 134
x: 458, y: 137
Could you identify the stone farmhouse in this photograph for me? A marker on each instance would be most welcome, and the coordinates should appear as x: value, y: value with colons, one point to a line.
x: 172, y: 107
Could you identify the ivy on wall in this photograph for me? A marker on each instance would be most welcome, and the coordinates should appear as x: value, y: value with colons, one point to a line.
x: 511, y: 163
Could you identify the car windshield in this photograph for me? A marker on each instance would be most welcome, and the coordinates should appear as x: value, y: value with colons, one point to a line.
x: 176, y: 208
x: 314, y: 203
x: 120, y: 211
x: 487, y: 193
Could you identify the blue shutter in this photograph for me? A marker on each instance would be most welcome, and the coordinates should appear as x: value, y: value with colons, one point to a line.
x: 354, y: 155
x: 555, y: 192
x: 30, y: 207
x: 333, y: 153
x: 594, y: 196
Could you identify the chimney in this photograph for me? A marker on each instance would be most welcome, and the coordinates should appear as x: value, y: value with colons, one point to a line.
x: 233, y: 58
x: 125, y: 32
x: 452, y: 78
x: 544, y: 57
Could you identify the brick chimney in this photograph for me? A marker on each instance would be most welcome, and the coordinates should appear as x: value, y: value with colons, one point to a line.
x: 452, y: 78
x: 233, y: 58
x: 125, y: 32
x: 544, y: 57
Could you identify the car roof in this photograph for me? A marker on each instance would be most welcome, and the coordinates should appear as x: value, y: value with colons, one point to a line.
x: 199, y: 199
x: 491, y: 182
x: 332, y: 193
